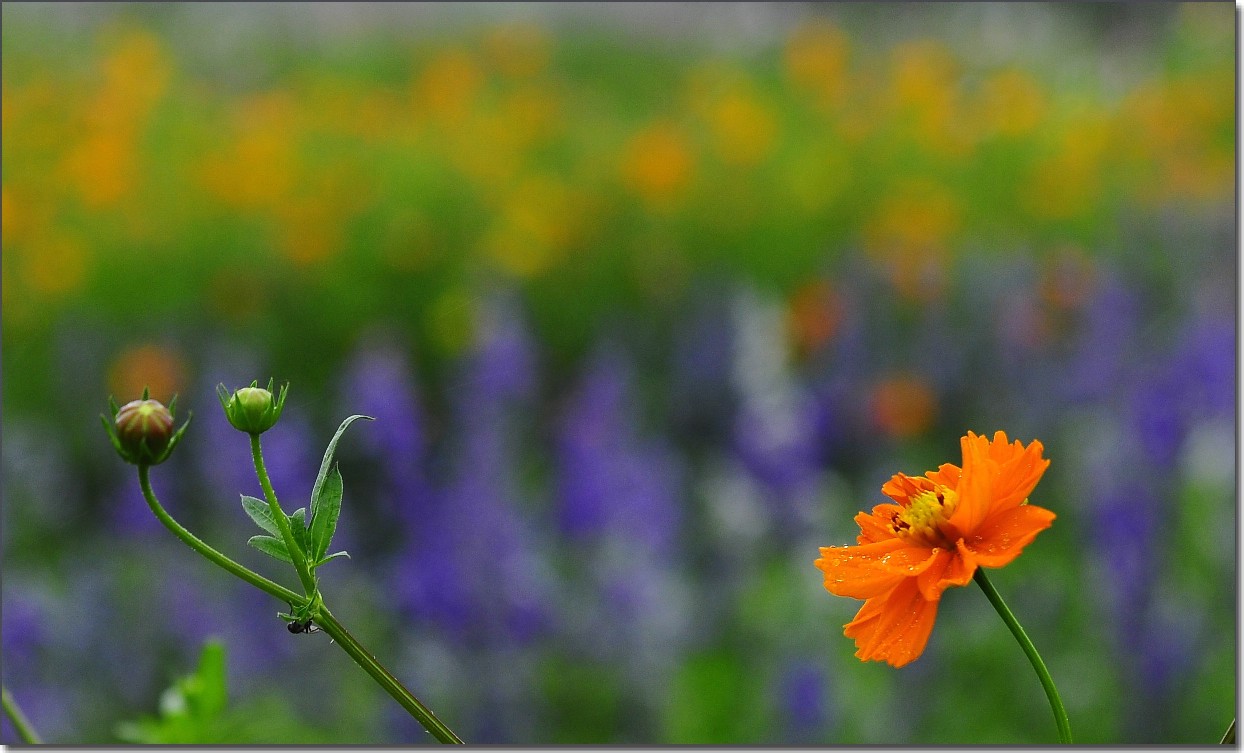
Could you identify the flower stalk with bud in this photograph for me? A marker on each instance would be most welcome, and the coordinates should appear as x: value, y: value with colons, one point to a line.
x: 142, y: 433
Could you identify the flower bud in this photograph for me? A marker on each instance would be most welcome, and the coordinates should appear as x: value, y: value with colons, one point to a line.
x: 252, y: 409
x: 142, y: 430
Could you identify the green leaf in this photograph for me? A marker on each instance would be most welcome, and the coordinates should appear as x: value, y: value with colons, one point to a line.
x: 261, y: 514
x: 332, y: 556
x: 328, y: 509
x: 205, y: 689
x: 298, y: 526
x: 190, y: 709
x: 273, y: 547
x: 327, y: 462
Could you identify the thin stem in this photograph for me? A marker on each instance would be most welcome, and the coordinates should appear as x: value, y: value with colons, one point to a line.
x: 278, y: 515
x: 255, y: 579
x: 392, y: 686
x: 1047, y: 682
x: 1229, y: 737
x: 25, y: 730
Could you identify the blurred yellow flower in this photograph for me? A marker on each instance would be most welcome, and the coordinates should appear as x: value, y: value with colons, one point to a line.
x: 924, y: 87
x: 147, y: 365
x: 309, y: 230
x: 743, y: 129
x: 657, y: 164
x: 257, y: 170
x: 103, y: 164
x: 486, y: 150
x: 815, y: 59
x: 136, y: 74
x: 518, y: 50
x: 54, y: 265
x: 910, y: 233
x: 1068, y: 183
x: 917, y: 214
x: 537, y: 221
x: 1175, y: 129
x: 1011, y: 103
x: 102, y: 168
x: 447, y: 86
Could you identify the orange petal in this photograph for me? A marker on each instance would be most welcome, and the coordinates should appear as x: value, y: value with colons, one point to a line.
x: 875, y: 526
x: 975, y: 485
x: 902, y: 487
x: 893, y: 628
x: 949, y: 568
x: 1004, y: 535
x: 856, y: 571
x: 909, y: 561
x: 947, y: 474
x: 1020, y: 468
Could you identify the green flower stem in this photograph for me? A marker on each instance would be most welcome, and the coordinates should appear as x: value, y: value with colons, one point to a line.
x: 392, y: 686
x: 24, y: 729
x: 320, y: 612
x: 255, y: 579
x: 1047, y: 682
x: 278, y: 515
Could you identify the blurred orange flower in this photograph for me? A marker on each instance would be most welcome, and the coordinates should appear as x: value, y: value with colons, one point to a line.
x: 903, y: 406
x: 945, y: 525
x: 814, y: 314
x: 147, y: 365
x: 658, y: 164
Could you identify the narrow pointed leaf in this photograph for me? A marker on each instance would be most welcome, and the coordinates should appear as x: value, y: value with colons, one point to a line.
x: 298, y: 526
x: 259, y: 512
x: 273, y: 547
x: 327, y: 463
x: 328, y: 507
x: 333, y: 556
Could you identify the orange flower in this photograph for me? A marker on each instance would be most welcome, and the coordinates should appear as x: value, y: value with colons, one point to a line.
x: 946, y: 524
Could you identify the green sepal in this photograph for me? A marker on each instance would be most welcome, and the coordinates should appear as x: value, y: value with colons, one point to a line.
x: 271, y: 546
x: 333, y: 556
x: 259, y: 512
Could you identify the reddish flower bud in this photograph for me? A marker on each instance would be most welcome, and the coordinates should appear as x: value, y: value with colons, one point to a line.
x: 142, y: 431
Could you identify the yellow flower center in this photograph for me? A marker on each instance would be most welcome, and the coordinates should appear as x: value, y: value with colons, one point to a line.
x: 921, y: 520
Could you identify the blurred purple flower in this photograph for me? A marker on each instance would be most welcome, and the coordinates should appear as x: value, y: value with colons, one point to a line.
x: 773, y: 433
x: 1125, y: 533
x: 610, y: 482
x: 701, y: 396
x: 472, y: 566
x: 1101, y: 353
x: 803, y: 702
x: 379, y: 383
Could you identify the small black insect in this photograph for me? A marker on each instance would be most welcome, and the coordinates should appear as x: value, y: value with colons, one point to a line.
x: 302, y: 626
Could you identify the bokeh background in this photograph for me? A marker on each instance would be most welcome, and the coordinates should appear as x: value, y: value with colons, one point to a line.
x: 648, y: 301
